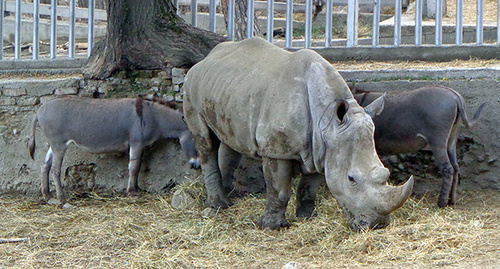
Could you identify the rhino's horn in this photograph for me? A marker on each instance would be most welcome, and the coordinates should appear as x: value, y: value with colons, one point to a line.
x: 396, y: 196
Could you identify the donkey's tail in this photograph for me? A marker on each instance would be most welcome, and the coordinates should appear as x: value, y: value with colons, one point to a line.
x: 474, y: 122
x: 31, y: 143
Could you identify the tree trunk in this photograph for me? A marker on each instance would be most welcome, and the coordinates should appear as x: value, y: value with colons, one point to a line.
x: 147, y: 35
x: 240, y: 19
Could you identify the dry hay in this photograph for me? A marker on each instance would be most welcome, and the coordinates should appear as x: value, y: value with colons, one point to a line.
x: 146, y: 232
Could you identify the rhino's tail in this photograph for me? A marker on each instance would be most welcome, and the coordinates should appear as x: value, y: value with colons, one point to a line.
x: 31, y: 143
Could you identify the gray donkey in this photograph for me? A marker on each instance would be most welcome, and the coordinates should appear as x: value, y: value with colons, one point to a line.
x: 429, y: 116
x: 105, y: 125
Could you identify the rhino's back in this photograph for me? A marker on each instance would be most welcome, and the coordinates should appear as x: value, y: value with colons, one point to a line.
x: 253, y: 96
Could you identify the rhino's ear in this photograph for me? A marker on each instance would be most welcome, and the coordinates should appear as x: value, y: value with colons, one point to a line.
x: 376, y: 107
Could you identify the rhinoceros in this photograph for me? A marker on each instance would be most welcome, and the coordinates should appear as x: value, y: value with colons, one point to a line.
x: 290, y: 110
x: 105, y: 125
x: 429, y: 116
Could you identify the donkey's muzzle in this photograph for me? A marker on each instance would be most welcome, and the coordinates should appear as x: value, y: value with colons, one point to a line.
x: 195, y: 163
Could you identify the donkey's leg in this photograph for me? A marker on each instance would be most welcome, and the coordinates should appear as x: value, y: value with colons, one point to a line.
x: 58, y: 155
x: 444, y: 165
x: 278, y: 174
x: 134, y: 166
x: 47, y: 164
x: 228, y: 162
x: 306, y: 194
x: 452, y: 154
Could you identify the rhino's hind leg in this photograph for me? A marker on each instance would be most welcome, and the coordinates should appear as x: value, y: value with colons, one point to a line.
x: 306, y: 194
x: 216, y: 197
x: 228, y: 162
x: 278, y: 174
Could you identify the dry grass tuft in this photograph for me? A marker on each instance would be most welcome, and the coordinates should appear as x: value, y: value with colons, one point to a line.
x: 146, y: 232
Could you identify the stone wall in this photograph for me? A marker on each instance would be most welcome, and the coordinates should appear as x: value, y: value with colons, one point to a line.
x: 165, y: 165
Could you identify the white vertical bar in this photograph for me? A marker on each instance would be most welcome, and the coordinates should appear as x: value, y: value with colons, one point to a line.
x: 376, y: 23
x: 270, y: 20
x: 498, y: 24
x: 176, y: 4
x: 439, y: 22
x: 352, y: 23
x: 53, y: 28
x: 328, y: 23
x: 419, y: 6
x: 479, y: 22
x: 211, y: 12
x: 2, y: 10
x: 397, y: 22
x: 459, y: 26
x: 71, y: 41
x: 17, y: 33
x: 36, y: 21
x: 289, y: 24
x: 308, y: 24
x: 194, y: 13
x: 90, y: 36
x: 230, y: 19
x: 250, y: 15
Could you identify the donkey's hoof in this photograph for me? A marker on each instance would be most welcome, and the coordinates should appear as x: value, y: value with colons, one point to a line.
x: 54, y: 201
x: 68, y: 206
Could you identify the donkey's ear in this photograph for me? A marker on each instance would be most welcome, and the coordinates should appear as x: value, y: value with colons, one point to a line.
x: 376, y: 107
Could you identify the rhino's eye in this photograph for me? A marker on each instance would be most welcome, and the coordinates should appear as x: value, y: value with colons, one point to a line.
x: 341, y: 111
x: 351, y: 180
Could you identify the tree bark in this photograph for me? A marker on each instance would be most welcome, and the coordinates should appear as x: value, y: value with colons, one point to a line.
x: 240, y: 20
x: 147, y: 35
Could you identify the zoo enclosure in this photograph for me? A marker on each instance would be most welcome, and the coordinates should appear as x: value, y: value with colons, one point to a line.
x: 290, y: 9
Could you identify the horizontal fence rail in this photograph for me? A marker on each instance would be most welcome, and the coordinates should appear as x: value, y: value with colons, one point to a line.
x: 298, y: 23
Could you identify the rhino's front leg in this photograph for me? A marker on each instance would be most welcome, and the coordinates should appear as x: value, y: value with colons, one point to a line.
x: 278, y: 174
x: 306, y: 194
x: 216, y: 197
x: 228, y: 162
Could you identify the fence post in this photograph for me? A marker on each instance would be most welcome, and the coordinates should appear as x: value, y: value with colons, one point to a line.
x: 459, y: 28
x: 211, y: 11
x: 479, y: 22
x: 53, y: 29
x: 352, y: 22
x: 250, y: 15
x: 397, y: 22
x: 270, y: 20
x: 289, y: 23
x: 439, y: 22
x: 36, y: 21
x: 2, y: 10
x: 71, y: 30
x: 376, y: 23
x: 328, y: 23
x: 17, y: 34
x: 418, y: 22
x: 230, y: 19
x: 308, y: 24
x: 194, y: 13
x: 90, y: 36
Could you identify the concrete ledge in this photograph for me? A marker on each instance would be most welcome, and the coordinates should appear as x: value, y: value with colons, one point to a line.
x: 423, y: 53
x: 430, y: 74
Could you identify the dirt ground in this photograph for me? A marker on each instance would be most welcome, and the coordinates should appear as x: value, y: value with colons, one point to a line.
x: 146, y: 232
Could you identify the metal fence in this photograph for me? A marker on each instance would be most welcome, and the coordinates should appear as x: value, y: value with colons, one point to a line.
x: 267, y: 12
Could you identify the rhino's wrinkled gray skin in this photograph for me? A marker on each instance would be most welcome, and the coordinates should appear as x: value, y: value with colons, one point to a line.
x: 105, y: 125
x: 429, y: 116
x: 287, y: 109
